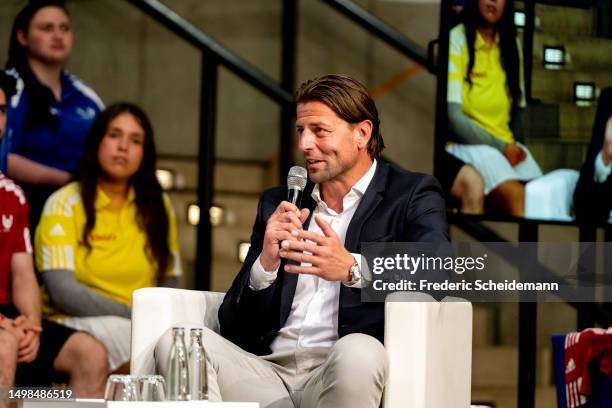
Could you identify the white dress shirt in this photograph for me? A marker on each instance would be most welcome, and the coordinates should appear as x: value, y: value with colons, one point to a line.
x: 313, y: 319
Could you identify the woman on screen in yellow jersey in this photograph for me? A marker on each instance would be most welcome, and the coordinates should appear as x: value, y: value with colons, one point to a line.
x: 485, y: 100
x: 108, y: 233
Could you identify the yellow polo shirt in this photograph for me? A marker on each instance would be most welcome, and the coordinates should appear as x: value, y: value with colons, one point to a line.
x: 117, y: 263
x: 488, y: 100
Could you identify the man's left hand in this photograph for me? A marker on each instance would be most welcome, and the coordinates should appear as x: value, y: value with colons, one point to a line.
x: 327, y: 255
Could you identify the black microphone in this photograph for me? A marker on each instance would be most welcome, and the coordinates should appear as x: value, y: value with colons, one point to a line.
x: 296, y: 181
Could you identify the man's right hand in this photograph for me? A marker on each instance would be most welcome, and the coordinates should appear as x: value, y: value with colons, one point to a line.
x: 286, y: 218
x: 514, y: 153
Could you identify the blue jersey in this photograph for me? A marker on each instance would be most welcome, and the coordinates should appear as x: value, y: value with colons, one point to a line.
x: 60, y: 146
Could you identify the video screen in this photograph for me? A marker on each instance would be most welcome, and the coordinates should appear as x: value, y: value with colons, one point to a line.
x: 529, y: 110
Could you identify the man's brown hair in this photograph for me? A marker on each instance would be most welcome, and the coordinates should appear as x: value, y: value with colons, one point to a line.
x: 349, y: 99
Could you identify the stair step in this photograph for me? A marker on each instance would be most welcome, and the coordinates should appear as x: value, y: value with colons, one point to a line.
x: 185, y: 168
x: 498, y: 366
x: 576, y: 122
x: 240, y: 211
x: 506, y: 397
x: 552, y: 317
x: 559, y: 121
x: 234, y: 176
x: 556, y: 19
x: 557, y: 86
x: 542, y: 121
x: 186, y: 232
x: 554, y: 154
x: 223, y: 274
x: 585, y: 53
x: 483, y: 325
x: 237, y: 187
x: 238, y: 177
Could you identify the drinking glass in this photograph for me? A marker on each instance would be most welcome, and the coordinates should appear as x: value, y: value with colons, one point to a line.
x: 122, y: 388
x: 152, y: 388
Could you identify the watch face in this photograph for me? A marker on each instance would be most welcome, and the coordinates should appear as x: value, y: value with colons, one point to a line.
x: 354, y: 272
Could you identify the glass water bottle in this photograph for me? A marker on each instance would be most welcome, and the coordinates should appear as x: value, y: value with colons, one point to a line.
x: 178, y: 374
x: 197, y: 367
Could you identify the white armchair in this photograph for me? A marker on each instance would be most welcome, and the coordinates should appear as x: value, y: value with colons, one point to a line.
x: 551, y: 196
x: 429, y: 343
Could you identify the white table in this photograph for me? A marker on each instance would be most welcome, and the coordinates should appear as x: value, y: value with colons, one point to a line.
x: 78, y: 403
x: 84, y: 403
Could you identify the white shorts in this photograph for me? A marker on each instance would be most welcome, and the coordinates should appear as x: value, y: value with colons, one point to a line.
x: 112, y: 331
x: 493, y: 166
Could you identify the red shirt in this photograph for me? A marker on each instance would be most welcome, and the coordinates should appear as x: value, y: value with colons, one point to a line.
x: 14, y: 231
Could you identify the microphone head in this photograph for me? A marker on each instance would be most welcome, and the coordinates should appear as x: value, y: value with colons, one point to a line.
x: 297, y: 177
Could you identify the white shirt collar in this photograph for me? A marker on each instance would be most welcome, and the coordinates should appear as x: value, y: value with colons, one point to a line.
x: 358, y: 188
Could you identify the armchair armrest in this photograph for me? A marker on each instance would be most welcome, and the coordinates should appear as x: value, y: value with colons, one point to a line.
x: 429, y: 345
x: 551, y: 196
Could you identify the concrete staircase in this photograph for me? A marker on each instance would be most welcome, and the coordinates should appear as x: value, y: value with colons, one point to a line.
x: 495, y: 364
x: 557, y: 131
x: 496, y: 333
x: 237, y: 188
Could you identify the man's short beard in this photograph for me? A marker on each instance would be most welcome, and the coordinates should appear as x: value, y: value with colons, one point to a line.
x: 327, y: 174
x: 321, y: 177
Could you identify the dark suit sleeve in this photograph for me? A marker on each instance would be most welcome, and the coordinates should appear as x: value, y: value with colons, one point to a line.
x: 427, y: 223
x: 245, y: 315
x: 426, y: 213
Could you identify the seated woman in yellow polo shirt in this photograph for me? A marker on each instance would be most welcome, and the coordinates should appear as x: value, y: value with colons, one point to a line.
x: 108, y: 233
x: 485, y: 101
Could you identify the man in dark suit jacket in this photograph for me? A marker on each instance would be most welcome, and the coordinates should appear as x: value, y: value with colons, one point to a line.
x: 297, y: 300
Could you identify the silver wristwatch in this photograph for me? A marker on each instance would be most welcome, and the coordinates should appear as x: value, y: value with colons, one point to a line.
x: 354, y: 272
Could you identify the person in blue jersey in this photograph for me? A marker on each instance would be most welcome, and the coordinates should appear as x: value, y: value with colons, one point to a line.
x: 35, y: 352
x: 52, y: 111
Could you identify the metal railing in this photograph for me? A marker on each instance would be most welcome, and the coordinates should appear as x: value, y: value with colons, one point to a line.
x: 214, y: 55
x: 381, y: 30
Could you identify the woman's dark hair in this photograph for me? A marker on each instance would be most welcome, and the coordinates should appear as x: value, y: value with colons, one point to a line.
x: 506, y: 29
x: 40, y: 96
x: 151, y: 211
